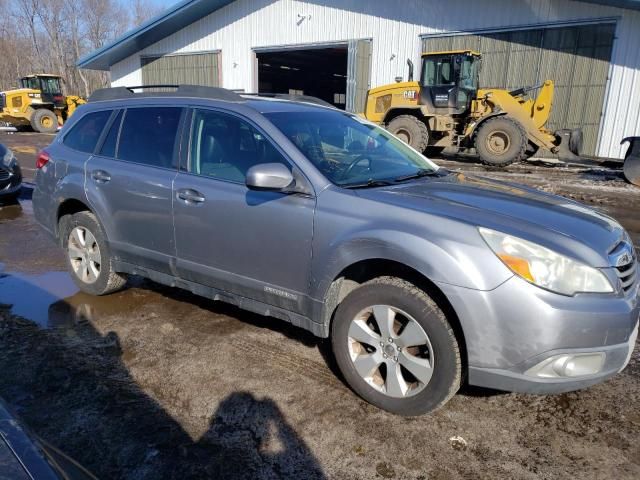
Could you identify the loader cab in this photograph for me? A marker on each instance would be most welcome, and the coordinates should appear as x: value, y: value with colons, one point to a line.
x: 49, y: 85
x: 449, y: 81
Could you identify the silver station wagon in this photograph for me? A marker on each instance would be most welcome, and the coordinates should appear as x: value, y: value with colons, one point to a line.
x: 422, y: 278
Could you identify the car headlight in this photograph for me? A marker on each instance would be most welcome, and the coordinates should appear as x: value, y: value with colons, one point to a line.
x: 8, y: 159
x: 543, y: 267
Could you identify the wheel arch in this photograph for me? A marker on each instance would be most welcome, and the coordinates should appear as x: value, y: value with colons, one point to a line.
x: 396, y: 112
x: 362, y: 271
x: 69, y: 206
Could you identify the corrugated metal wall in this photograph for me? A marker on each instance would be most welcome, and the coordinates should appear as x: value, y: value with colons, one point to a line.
x: 196, y: 69
x: 395, y: 28
x: 576, y: 58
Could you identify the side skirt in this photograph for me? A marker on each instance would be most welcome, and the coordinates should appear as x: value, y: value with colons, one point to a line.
x: 219, y: 295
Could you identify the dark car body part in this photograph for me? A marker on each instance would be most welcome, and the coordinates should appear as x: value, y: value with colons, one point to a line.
x: 10, y: 176
x: 25, y: 457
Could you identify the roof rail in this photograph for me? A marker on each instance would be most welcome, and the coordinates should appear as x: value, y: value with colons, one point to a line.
x: 294, y: 98
x: 119, y: 93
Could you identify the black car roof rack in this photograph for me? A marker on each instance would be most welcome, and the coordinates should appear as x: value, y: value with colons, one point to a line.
x: 119, y: 93
x: 292, y: 97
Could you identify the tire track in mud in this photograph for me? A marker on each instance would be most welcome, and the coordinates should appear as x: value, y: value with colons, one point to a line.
x: 292, y: 363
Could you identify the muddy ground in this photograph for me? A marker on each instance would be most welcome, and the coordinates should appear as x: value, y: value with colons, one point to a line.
x: 153, y: 382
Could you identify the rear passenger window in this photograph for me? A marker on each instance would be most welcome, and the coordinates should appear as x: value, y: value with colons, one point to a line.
x: 148, y: 136
x: 85, y: 134
x: 225, y: 147
x: 109, y: 146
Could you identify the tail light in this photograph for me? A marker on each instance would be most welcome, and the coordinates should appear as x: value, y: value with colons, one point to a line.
x: 43, y: 159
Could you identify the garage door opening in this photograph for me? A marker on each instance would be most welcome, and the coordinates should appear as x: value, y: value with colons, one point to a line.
x: 319, y: 72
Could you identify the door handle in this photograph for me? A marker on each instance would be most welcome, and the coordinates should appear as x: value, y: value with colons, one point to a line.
x: 100, y: 176
x: 190, y: 196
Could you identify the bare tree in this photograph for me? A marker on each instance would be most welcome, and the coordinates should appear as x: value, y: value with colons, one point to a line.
x: 50, y: 36
x: 72, y: 12
x: 28, y: 14
x: 143, y: 10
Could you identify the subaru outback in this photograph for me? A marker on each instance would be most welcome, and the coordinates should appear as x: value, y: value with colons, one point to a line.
x: 422, y: 278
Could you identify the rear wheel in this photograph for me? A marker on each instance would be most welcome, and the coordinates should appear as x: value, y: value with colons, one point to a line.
x: 501, y: 141
x: 410, y: 130
x: 44, y: 121
x: 88, y: 254
x: 395, y: 347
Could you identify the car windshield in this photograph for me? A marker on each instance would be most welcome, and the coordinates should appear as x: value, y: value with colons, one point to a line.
x: 350, y: 151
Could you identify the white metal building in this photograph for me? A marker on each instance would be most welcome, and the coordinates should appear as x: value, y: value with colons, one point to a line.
x: 337, y: 49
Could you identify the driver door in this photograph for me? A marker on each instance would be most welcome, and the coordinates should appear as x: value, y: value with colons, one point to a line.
x: 255, y: 244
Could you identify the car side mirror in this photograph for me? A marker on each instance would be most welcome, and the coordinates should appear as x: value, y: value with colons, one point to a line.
x: 269, y: 176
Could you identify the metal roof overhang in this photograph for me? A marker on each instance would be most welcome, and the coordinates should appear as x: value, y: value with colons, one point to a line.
x: 629, y: 4
x: 169, y: 21
x: 188, y: 11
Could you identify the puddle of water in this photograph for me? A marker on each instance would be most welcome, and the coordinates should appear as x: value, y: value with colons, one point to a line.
x: 10, y: 212
x: 32, y: 296
x: 52, y: 300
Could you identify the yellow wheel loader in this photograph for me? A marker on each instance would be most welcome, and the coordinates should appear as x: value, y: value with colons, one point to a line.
x: 446, y: 108
x: 38, y: 102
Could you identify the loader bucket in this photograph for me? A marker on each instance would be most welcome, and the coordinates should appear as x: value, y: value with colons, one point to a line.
x: 570, y: 144
x: 631, y: 167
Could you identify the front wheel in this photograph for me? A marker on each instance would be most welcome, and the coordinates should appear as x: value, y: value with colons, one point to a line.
x: 410, y: 130
x: 395, y: 348
x: 501, y: 141
x: 88, y: 254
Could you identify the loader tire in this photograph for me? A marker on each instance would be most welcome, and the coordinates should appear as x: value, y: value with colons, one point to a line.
x: 410, y: 130
x: 44, y: 121
x: 501, y: 141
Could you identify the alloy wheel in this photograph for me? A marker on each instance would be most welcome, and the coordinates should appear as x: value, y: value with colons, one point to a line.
x: 391, y: 351
x: 84, y: 254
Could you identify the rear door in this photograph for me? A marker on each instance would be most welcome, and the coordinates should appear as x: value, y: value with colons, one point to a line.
x: 129, y: 183
x: 256, y: 244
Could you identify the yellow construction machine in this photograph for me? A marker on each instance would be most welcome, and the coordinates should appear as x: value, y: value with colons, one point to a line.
x: 446, y: 108
x: 38, y: 102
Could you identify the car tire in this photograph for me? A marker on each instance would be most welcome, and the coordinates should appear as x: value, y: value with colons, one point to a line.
x: 88, y: 255
x: 410, y: 130
x: 380, y: 385
x: 501, y: 141
x: 44, y: 121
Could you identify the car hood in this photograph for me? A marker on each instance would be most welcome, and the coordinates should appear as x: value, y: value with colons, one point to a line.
x: 561, y: 224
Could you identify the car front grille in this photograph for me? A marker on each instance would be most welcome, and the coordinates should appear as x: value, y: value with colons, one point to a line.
x: 628, y: 274
x: 4, y: 174
x: 3, y: 100
x: 623, y: 258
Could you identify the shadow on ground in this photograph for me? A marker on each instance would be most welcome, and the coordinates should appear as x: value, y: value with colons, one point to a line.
x: 77, y: 381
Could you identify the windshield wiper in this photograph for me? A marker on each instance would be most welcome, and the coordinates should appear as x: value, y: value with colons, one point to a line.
x: 423, y: 172
x: 368, y: 184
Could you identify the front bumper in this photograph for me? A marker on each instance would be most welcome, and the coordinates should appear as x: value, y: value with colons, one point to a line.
x: 515, y: 327
x: 616, y: 359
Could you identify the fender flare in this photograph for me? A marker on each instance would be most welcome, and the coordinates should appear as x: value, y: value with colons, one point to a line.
x: 391, y: 112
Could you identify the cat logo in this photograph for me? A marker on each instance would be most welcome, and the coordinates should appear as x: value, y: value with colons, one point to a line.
x: 410, y: 94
